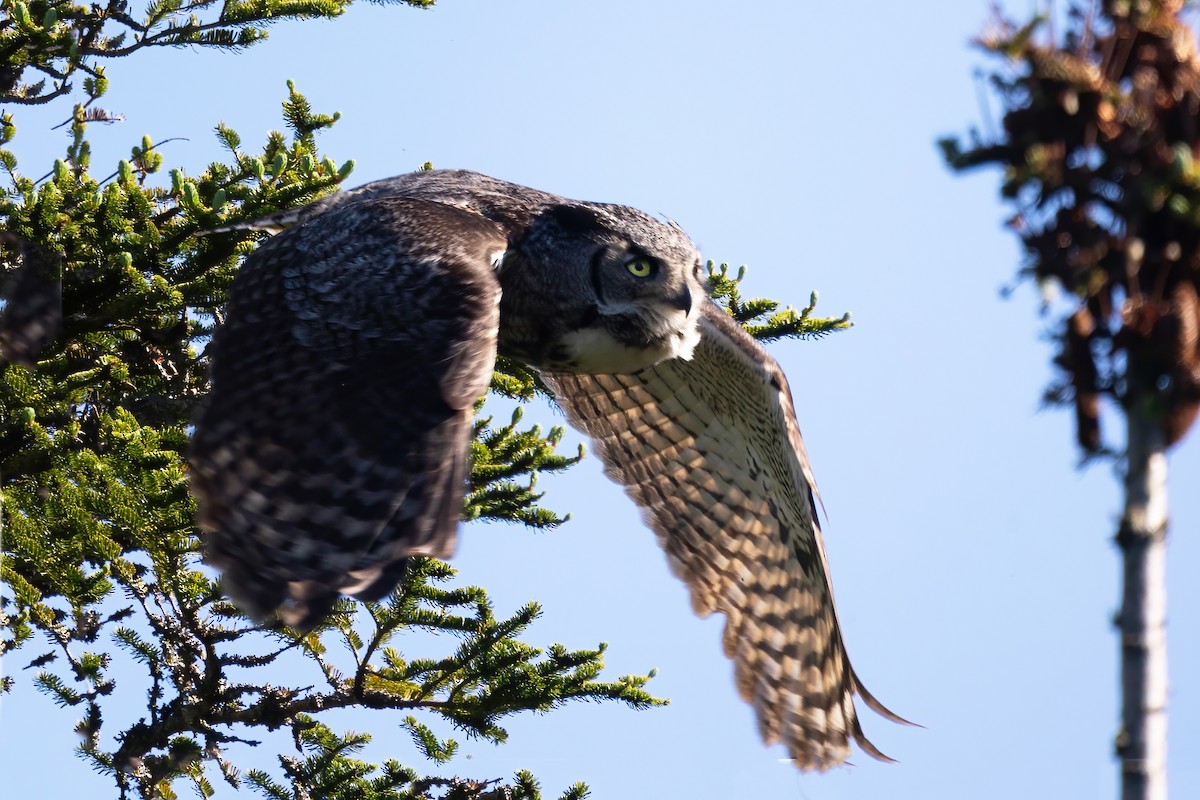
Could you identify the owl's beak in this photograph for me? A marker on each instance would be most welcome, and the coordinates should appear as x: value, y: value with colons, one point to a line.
x: 683, y: 301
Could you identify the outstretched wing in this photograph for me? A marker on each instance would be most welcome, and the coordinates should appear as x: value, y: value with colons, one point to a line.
x: 334, y: 443
x: 710, y: 450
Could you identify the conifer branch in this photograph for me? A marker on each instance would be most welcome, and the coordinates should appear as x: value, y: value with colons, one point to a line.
x: 100, y: 547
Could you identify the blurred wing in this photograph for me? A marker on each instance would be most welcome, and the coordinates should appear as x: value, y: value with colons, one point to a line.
x: 710, y: 450
x: 334, y: 443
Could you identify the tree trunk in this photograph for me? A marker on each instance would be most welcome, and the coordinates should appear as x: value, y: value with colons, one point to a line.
x: 1142, y: 742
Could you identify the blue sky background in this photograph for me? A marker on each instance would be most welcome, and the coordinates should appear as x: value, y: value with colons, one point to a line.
x: 972, y: 560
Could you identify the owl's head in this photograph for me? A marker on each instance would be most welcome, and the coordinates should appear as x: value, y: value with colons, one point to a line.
x: 631, y: 284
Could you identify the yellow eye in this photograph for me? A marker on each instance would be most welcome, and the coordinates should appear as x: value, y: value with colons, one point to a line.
x: 640, y: 267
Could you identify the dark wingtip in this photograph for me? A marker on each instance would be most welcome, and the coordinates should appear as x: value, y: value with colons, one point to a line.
x: 303, y: 614
x: 389, y: 577
x: 299, y: 606
x: 867, y: 747
x: 879, y: 708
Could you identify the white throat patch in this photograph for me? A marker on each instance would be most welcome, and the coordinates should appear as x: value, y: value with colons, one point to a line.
x: 594, y: 350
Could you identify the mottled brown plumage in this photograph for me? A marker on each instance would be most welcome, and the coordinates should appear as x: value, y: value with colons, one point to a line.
x: 335, y: 442
x: 710, y: 451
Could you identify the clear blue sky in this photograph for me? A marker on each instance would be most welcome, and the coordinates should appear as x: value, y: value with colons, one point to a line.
x: 972, y: 561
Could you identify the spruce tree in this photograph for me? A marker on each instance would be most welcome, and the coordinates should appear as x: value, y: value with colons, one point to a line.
x: 115, y: 284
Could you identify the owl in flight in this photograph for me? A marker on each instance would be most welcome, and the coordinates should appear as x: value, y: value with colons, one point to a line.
x: 335, y: 441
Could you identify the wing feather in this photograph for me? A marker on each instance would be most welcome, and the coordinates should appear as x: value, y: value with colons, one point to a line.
x: 709, y: 449
x: 334, y: 443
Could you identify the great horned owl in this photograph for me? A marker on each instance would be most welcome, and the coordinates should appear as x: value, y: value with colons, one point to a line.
x: 319, y: 467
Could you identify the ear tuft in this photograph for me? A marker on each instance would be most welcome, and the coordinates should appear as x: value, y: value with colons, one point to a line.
x: 576, y: 220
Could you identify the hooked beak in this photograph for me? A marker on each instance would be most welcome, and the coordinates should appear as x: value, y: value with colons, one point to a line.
x: 683, y: 301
